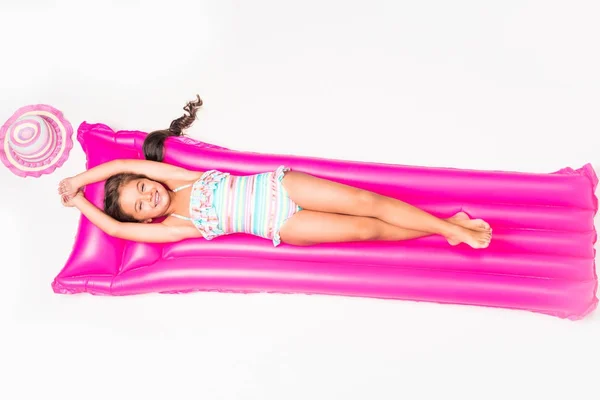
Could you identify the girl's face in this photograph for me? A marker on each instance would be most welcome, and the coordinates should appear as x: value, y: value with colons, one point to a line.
x: 144, y: 199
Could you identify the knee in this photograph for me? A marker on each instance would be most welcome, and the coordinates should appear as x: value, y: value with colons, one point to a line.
x: 368, y: 229
x: 368, y: 203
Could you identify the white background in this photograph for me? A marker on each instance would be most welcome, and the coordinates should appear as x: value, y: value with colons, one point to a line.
x: 510, y: 85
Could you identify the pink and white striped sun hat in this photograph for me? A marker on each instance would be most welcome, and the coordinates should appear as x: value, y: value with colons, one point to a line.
x: 35, y: 140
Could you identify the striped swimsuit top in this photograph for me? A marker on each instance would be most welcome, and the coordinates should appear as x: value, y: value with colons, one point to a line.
x: 221, y: 204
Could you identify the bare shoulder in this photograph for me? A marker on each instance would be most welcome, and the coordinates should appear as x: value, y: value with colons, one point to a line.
x: 189, y: 179
x: 185, y: 227
x: 177, y: 183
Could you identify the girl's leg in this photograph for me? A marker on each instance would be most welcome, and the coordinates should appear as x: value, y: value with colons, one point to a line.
x: 310, y: 227
x: 312, y: 193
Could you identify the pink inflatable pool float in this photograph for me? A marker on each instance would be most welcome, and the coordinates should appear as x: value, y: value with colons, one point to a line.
x: 35, y: 140
x: 541, y: 258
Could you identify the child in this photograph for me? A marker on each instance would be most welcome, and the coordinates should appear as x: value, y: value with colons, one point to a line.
x: 281, y: 205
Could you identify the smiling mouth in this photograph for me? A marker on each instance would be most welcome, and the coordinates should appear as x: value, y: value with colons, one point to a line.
x: 156, y: 198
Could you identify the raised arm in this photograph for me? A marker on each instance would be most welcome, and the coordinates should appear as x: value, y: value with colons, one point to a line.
x: 139, y: 232
x: 157, y: 171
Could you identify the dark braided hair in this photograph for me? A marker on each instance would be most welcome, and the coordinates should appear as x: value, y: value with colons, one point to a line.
x: 153, y: 150
x: 154, y: 142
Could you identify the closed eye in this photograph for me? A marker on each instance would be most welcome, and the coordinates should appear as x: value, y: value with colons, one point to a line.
x: 138, y: 205
x: 142, y: 192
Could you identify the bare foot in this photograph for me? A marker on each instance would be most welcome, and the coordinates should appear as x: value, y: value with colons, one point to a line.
x: 476, y: 232
x: 461, y: 218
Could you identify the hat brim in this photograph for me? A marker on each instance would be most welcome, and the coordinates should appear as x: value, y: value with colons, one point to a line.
x: 57, y: 157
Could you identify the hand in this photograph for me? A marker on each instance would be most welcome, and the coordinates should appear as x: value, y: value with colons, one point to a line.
x: 69, y: 201
x: 68, y: 187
